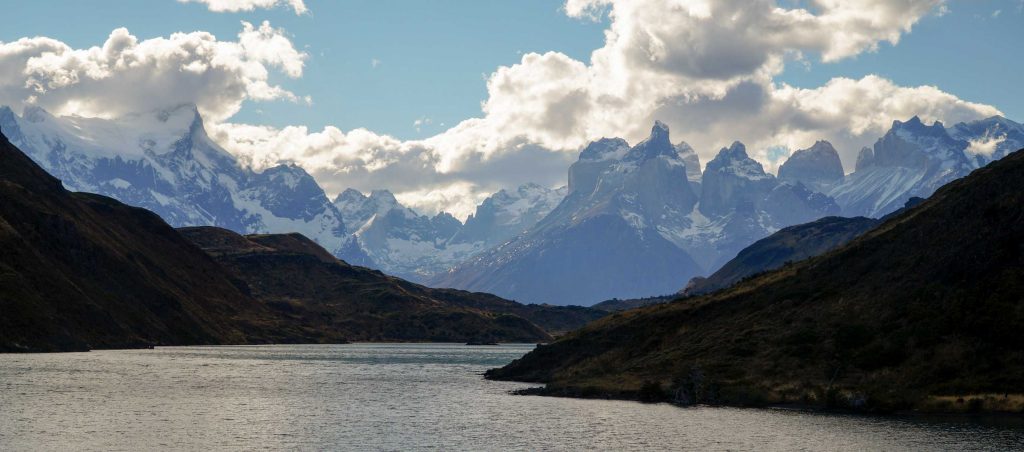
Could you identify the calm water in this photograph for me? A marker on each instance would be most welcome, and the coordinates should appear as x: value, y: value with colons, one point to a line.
x: 392, y: 397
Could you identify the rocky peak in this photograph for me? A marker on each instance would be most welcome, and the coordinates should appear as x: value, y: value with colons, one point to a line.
x: 691, y: 159
x: 605, y: 149
x: 917, y: 127
x: 655, y: 145
x: 735, y: 161
x: 865, y: 158
x: 733, y: 180
x: 350, y: 195
x: 817, y: 167
x: 383, y: 198
x: 912, y: 144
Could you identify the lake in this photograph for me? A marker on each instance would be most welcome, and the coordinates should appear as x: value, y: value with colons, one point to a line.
x: 395, y: 397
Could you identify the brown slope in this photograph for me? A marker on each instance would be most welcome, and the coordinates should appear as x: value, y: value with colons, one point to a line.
x: 929, y: 304
x: 81, y: 271
x: 326, y: 296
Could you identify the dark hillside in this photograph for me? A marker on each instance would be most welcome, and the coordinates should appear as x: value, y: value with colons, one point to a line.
x: 923, y: 310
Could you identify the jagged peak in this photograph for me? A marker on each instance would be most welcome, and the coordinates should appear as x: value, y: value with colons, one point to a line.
x: 916, y: 124
x: 659, y: 135
x: 287, y: 168
x: 350, y: 194
x: 656, y: 144
x: 659, y: 129
x: 995, y: 120
x: 383, y: 195
x: 735, y: 151
x: 819, y: 148
x: 864, y: 158
x: 442, y: 215
x: 605, y: 149
x: 683, y: 148
x: 821, y: 145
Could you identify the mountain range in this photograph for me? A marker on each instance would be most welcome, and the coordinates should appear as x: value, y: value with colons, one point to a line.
x: 649, y: 211
x: 921, y: 312
x: 82, y: 271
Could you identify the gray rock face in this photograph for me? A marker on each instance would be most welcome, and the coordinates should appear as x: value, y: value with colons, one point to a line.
x: 165, y: 162
x: 817, y: 167
x: 732, y: 180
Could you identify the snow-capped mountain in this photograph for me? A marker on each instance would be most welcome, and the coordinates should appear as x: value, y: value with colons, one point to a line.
x: 397, y: 239
x: 740, y: 203
x: 989, y: 139
x: 507, y: 214
x: 400, y: 241
x: 634, y: 225
x: 602, y: 240
x: 633, y: 221
x: 915, y: 159
x: 165, y: 162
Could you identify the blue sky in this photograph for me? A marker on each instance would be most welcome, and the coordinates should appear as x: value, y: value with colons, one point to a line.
x: 434, y: 56
x: 971, y: 51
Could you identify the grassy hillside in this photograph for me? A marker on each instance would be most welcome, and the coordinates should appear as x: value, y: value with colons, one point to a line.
x: 923, y: 311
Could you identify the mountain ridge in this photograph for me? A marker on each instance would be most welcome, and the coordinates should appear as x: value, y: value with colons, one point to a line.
x: 909, y: 315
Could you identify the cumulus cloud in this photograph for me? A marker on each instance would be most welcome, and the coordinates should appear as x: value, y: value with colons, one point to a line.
x: 234, y: 6
x: 128, y: 75
x: 707, y: 68
x: 985, y: 145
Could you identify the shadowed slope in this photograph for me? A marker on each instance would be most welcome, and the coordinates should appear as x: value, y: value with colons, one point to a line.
x: 82, y: 271
x: 329, y: 297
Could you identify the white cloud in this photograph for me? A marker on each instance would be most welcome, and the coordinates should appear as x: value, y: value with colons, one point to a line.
x: 851, y: 113
x: 986, y: 145
x: 128, y: 75
x: 707, y: 68
x: 374, y: 63
x: 234, y: 6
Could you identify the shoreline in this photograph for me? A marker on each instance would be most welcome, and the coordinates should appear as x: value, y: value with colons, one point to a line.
x: 632, y: 396
x: 154, y: 346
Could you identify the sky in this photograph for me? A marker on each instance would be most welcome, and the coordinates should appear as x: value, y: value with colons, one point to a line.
x: 447, y: 101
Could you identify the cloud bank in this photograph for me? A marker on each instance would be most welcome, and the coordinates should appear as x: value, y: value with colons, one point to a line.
x: 126, y: 75
x: 706, y: 68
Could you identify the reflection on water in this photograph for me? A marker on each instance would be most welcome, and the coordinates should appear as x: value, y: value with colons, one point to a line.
x: 394, y: 397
